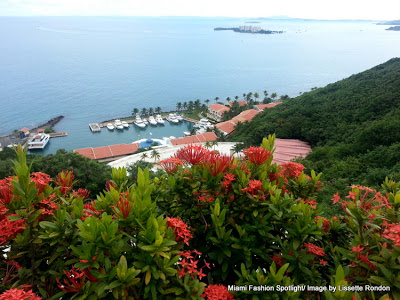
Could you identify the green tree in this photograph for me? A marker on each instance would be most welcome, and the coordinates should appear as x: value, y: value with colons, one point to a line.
x: 135, y: 111
x: 151, y: 111
x: 179, y: 106
x: 155, y: 155
x: 158, y: 110
x: 236, y: 98
x: 216, y: 99
x: 274, y: 95
x: 144, y: 111
x: 256, y: 95
x: 144, y: 156
x: 185, y: 105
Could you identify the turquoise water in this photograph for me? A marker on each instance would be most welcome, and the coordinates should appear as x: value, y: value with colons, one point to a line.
x: 92, y: 69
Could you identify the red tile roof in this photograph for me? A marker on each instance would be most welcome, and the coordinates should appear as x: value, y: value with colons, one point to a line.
x: 108, y: 151
x: 25, y: 130
x: 264, y: 106
x: 241, y: 103
x: 198, y: 138
x: 219, y: 108
x: 227, y: 126
x: 40, y: 130
x: 246, y: 115
x: 286, y: 150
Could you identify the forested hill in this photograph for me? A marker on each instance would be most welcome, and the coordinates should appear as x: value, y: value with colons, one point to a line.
x: 353, y: 126
x: 364, y: 105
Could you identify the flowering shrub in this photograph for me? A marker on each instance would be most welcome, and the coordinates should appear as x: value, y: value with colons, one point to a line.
x: 208, y: 223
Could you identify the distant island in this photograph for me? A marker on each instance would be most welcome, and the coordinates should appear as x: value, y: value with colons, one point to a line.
x: 253, y: 22
x: 248, y: 29
x: 394, y: 28
x: 394, y: 22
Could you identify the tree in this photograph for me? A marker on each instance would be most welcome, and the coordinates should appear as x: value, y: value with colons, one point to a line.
x: 185, y: 105
x: 285, y: 97
x: 207, y: 145
x: 155, y: 155
x: 248, y: 96
x: 197, y: 104
x: 274, y: 95
x: 144, y: 156
x: 135, y: 111
x: 216, y: 99
x: 151, y: 111
x: 256, y: 95
x: 144, y: 111
x: 158, y: 110
x: 179, y: 106
x: 214, y: 144
x: 265, y: 93
x: 238, y: 147
x: 236, y: 98
x: 207, y: 101
x: 244, y: 96
x: 228, y: 99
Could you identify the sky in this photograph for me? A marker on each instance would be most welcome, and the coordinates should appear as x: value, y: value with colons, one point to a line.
x: 306, y: 9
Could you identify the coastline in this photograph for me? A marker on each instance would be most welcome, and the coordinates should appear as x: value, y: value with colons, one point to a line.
x: 13, y: 137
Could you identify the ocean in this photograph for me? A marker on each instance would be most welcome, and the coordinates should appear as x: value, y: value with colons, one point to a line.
x: 92, y: 69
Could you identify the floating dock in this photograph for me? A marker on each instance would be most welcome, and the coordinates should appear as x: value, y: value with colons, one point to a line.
x: 94, y: 127
x: 57, y: 134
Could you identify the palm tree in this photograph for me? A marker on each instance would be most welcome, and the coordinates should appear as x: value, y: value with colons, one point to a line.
x: 274, y: 95
x: 155, y: 155
x: 248, y: 96
x: 256, y: 95
x: 236, y: 98
x: 134, y: 111
x: 265, y: 93
x: 207, y: 101
x: 144, y: 156
x: 158, y: 109
x: 197, y: 104
x: 216, y: 99
x: 213, y: 144
x: 151, y: 111
x: 228, y: 99
x: 179, y: 106
x: 144, y: 111
x: 185, y: 105
x: 244, y: 96
x: 237, y: 148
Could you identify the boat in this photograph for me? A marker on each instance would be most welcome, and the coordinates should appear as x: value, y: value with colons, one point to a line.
x: 118, y: 124
x: 159, y: 119
x: 201, y: 130
x: 145, y: 121
x: 39, y: 141
x: 179, y: 117
x: 110, y: 126
x: 139, y: 122
x: 125, y: 124
x: 186, y: 133
x: 203, y: 123
x: 152, y: 121
x: 172, y: 118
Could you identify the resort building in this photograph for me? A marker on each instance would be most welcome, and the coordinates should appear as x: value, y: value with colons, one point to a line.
x: 24, y: 132
x: 241, y: 103
x: 229, y: 126
x: 216, y: 111
x: 194, y: 139
x: 261, y: 107
x: 108, y: 153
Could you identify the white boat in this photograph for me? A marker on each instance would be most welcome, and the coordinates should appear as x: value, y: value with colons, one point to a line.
x: 125, y: 124
x: 39, y: 141
x: 159, y: 119
x: 139, y: 122
x: 179, y: 117
x: 152, y: 121
x: 203, y: 123
x: 201, y: 130
x: 145, y: 121
x: 118, y: 124
x: 110, y: 126
x: 186, y: 133
x: 172, y: 118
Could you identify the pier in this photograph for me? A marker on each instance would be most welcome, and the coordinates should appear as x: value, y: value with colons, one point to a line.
x: 94, y: 127
x: 57, y: 134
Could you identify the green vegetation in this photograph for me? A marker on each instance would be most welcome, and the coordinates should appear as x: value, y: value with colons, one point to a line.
x: 353, y: 126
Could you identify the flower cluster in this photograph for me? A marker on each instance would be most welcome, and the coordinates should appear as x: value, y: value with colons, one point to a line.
x: 192, y: 154
x: 48, y: 206
x: 217, y: 292
x: 6, y: 194
x: 18, y: 294
x: 216, y: 163
x: 74, y: 281
x: 190, y: 266
x: 254, y: 187
x: 41, y: 180
x: 313, y: 249
x: 180, y: 229
x: 325, y: 223
x: 81, y: 193
x: 170, y: 164
x: 65, y: 180
x: 392, y: 232
x: 9, y: 229
x: 124, y: 206
x: 257, y: 155
x: 292, y: 169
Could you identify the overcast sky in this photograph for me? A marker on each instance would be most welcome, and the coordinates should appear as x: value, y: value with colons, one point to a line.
x: 312, y: 9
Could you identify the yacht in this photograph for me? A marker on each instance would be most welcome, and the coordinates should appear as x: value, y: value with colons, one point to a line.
x: 125, y: 124
x: 39, y: 141
x: 159, y: 119
x: 139, y: 122
x: 145, y: 121
x: 152, y: 121
x: 118, y: 124
x: 203, y: 123
x: 179, y: 117
x: 201, y: 130
x: 110, y: 126
x: 172, y: 118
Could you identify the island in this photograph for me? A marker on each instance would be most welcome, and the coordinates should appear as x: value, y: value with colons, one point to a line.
x: 394, y: 28
x: 394, y: 22
x: 248, y: 29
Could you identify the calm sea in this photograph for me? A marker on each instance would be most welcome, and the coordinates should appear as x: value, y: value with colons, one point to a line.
x: 91, y: 69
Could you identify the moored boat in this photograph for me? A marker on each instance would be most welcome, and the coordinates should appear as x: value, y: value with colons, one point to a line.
x: 39, y: 141
x: 110, y: 126
x: 125, y: 124
x: 172, y: 118
x: 139, y: 122
x: 118, y: 124
x: 159, y: 119
x: 152, y: 121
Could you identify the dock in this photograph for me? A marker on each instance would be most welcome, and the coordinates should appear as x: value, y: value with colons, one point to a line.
x: 57, y: 134
x: 94, y: 127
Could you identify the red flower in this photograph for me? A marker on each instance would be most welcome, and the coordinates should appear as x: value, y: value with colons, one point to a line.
x: 257, y: 155
x: 228, y: 178
x: 89, y: 210
x: 357, y: 249
x: 312, y: 203
x: 325, y: 223
x: 204, y: 197
x: 74, y: 282
x: 292, y: 169
x: 123, y: 207
x: 18, y: 294
x: 278, y: 260
x: 180, y: 229
x: 190, y: 265
x: 12, y: 268
x: 110, y: 184
x: 192, y: 154
x: 217, y: 163
x: 170, y: 164
x: 41, y: 180
x: 65, y: 180
x: 254, y: 187
x: 81, y: 193
x: 217, y: 292
x: 364, y: 259
x: 313, y: 249
x: 48, y: 205
x: 9, y: 229
x: 323, y: 262
x: 336, y: 198
x: 6, y: 194
x: 392, y: 232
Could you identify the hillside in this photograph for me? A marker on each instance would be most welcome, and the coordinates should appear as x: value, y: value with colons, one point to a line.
x: 353, y: 126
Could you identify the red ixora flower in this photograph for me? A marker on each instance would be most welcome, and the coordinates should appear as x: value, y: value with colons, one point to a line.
x: 48, y: 206
x: 180, y: 229
x: 323, y: 262
x: 190, y: 265
x: 254, y: 187
x: 18, y: 294
x: 6, y: 194
x: 357, y: 249
x: 217, y: 292
x: 41, y: 180
x: 9, y: 229
x: 81, y: 193
x: 313, y: 249
x: 65, y: 180
x: 192, y: 154
x: 74, y: 282
x: 392, y: 232
x: 123, y: 207
x: 257, y: 155
x: 216, y: 163
x: 170, y: 164
x: 110, y: 184
x: 325, y: 223
x: 292, y: 169
x: 89, y: 211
